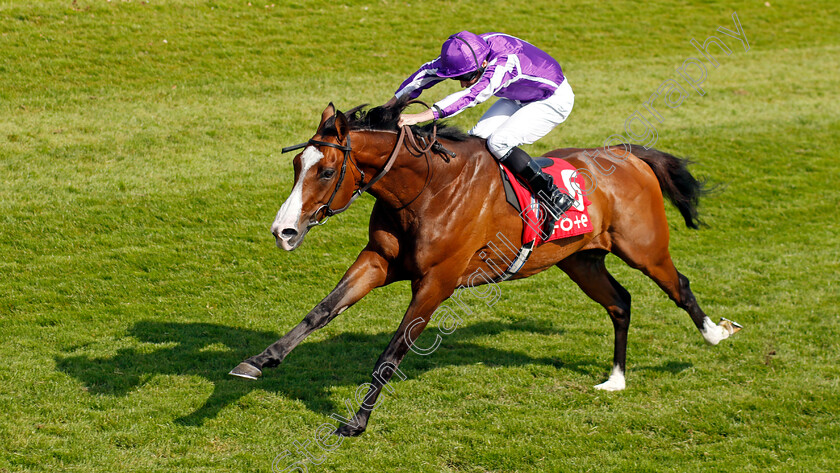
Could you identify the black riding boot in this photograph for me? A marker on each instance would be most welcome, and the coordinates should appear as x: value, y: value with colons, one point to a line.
x: 554, y: 200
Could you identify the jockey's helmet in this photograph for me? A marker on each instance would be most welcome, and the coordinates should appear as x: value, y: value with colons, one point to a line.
x: 461, y: 56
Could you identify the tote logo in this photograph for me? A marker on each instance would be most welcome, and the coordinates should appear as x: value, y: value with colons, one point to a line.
x: 573, y: 188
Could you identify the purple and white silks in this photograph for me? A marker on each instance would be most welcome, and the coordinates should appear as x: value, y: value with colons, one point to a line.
x: 516, y: 70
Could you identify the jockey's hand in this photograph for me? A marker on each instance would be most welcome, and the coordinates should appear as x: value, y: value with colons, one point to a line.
x: 391, y: 102
x: 415, y: 118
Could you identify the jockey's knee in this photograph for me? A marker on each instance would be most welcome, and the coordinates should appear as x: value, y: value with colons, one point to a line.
x: 499, y: 146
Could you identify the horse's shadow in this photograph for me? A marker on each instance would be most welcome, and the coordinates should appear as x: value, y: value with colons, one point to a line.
x: 308, y: 374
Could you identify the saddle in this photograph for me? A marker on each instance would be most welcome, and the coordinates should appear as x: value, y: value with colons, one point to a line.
x: 510, y: 194
x: 574, y: 222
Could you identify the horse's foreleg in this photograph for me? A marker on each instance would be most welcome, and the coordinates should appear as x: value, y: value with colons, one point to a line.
x: 587, y: 269
x: 369, y: 271
x: 427, y: 297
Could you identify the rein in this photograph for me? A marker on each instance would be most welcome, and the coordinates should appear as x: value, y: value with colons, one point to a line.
x: 413, y: 145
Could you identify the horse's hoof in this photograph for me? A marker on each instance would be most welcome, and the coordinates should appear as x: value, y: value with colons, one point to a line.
x: 730, y: 325
x: 246, y: 370
x: 610, y: 385
x: 713, y: 334
x: 614, y: 383
x: 347, y: 431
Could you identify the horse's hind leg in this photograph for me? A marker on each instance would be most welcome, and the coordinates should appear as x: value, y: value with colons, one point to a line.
x: 655, y: 262
x: 587, y: 269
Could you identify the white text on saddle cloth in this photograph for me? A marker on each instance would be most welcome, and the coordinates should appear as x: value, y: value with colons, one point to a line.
x: 578, y: 220
x: 574, y: 221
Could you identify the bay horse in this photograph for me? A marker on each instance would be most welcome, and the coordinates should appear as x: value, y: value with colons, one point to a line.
x: 435, y: 214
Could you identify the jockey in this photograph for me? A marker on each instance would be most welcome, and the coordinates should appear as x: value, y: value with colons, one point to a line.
x: 534, y: 98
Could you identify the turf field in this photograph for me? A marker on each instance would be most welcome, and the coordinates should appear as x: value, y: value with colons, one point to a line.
x: 140, y: 169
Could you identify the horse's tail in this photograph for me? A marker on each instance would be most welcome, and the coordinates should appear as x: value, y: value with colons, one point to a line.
x: 675, y: 181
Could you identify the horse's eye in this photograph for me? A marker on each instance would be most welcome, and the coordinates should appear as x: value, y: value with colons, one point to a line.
x: 327, y: 173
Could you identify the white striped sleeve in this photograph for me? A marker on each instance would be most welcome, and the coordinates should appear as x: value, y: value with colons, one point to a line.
x: 499, y: 73
x: 424, y: 78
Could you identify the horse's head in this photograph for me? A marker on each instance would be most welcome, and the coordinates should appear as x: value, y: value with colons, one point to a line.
x: 323, y: 181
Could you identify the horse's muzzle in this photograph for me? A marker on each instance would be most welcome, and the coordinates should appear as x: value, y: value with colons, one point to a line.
x: 287, y: 238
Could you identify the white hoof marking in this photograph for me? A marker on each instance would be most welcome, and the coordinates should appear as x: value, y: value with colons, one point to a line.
x: 713, y: 334
x: 615, y: 382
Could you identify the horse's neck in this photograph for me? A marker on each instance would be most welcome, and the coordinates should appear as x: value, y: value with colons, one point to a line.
x: 414, y: 178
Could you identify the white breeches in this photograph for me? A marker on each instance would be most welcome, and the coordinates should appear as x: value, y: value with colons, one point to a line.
x: 507, y: 123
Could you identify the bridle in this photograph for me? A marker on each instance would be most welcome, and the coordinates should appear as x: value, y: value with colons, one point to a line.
x: 328, y: 211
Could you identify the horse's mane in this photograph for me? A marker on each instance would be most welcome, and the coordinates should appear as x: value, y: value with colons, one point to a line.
x: 385, y: 119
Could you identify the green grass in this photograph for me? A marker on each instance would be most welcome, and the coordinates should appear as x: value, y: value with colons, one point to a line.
x: 138, y: 179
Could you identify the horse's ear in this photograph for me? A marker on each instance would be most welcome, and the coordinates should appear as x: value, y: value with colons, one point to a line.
x: 327, y: 113
x: 341, y: 126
